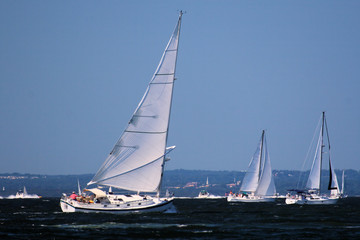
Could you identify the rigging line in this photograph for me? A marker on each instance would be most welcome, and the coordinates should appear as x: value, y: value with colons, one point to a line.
x: 261, y: 168
x: 327, y: 132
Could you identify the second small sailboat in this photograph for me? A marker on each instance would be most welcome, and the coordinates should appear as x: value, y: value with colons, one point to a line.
x: 258, y: 184
x: 311, y: 194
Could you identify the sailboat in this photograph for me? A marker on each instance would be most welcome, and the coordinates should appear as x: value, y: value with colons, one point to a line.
x: 258, y: 184
x: 342, y: 195
x: 136, y: 163
x: 311, y: 194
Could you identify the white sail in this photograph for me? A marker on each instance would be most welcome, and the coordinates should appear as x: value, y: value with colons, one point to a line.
x: 25, y: 192
x: 137, y: 159
x: 79, y: 189
x: 315, y: 172
x: 251, y: 179
x: 333, y: 182
x: 266, y: 184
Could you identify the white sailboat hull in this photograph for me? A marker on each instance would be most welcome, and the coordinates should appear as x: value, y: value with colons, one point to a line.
x: 135, y: 206
x: 311, y: 201
x: 210, y: 196
x: 253, y: 199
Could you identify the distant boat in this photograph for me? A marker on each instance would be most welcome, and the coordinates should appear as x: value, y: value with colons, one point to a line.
x: 23, y: 195
x: 311, y: 194
x: 137, y: 160
x: 203, y: 194
x: 258, y: 184
x: 342, y: 195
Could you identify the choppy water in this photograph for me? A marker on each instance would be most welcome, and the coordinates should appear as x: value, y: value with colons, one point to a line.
x: 194, y: 219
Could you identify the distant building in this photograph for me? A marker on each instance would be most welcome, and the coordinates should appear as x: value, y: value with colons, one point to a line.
x: 191, y: 184
x: 230, y: 185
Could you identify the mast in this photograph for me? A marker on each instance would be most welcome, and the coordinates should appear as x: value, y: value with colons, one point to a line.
x: 322, y: 146
x: 261, y: 155
x: 178, y: 26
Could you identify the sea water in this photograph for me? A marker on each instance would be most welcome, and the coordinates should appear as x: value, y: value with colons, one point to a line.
x: 192, y: 219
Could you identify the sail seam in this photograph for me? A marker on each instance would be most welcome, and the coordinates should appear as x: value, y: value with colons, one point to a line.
x: 144, y: 132
x: 118, y: 175
x: 162, y: 83
x: 165, y: 74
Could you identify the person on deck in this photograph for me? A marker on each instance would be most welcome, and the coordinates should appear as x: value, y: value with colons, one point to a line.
x: 73, y: 196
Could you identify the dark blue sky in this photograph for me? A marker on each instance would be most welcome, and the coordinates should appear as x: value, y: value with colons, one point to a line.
x: 72, y: 73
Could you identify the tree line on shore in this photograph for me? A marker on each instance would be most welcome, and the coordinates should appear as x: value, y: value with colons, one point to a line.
x: 183, y: 183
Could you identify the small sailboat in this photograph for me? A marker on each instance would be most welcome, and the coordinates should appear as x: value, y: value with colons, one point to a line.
x: 258, y: 184
x: 136, y: 163
x: 311, y: 194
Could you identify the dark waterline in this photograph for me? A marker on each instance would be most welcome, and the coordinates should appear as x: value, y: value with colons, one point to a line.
x: 195, y: 219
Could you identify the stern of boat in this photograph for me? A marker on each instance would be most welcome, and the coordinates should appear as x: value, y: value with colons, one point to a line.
x: 66, y: 205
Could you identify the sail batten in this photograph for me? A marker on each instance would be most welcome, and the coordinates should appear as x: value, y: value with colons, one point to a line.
x: 142, y: 132
x: 140, y: 166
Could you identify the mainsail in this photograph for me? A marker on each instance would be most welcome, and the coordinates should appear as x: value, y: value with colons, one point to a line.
x: 266, y: 184
x: 137, y: 159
